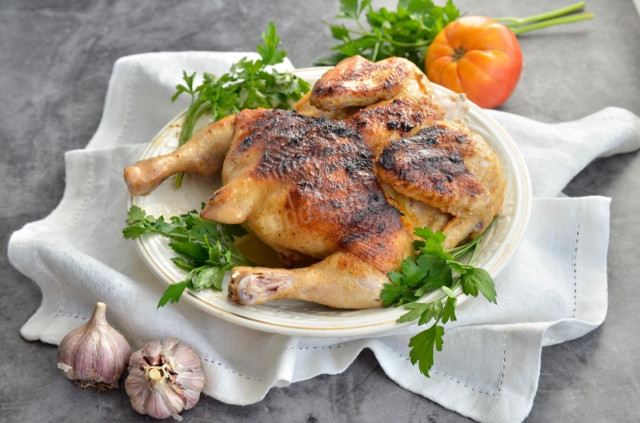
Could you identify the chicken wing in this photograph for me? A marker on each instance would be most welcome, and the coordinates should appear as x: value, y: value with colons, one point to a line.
x: 358, y: 82
x: 417, y: 152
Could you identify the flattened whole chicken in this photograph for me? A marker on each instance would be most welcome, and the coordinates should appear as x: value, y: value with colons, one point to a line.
x: 341, y: 182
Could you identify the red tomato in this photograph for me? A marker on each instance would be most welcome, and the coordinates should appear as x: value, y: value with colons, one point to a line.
x: 477, y: 56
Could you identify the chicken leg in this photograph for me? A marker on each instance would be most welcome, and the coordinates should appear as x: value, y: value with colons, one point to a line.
x: 341, y: 280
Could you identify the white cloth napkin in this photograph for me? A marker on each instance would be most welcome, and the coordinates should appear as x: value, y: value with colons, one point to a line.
x: 553, y: 290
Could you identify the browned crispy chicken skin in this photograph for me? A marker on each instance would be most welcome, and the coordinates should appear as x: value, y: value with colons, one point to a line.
x: 367, y: 157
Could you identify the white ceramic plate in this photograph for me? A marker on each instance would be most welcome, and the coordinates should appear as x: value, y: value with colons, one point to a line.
x: 292, y: 317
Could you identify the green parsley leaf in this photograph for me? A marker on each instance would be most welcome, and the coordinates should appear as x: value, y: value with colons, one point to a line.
x: 234, y: 230
x: 133, y: 232
x: 423, y: 312
x: 173, y: 293
x: 417, y: 309
x: 449, y: 310
x: 437, y: 270
x: 197, y: 253
x: 339, y: 32
x: 411, y: 273
x: 135, y: 215
x: 406, y: 32
x: 423, y: 345
x: 210, y: 277
x: 475, y: 280
x: 206, y: 249
x: 353, y: 8
x: 182, y: 264
x: 269, y: 49
x: 396, y: 295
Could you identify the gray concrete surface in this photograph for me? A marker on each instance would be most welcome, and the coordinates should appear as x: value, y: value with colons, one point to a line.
x: 55, y: 61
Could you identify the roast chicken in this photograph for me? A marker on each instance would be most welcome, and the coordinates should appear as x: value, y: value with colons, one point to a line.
x: 337, y: 185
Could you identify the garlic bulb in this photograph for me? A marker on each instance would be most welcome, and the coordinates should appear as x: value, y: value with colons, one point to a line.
x: 165, y: 378
x: 95, y: 354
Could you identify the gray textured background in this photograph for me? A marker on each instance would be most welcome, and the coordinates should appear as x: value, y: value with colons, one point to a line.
x: 55, y: 61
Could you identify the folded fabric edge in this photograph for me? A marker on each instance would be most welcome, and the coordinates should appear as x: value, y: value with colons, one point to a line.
x: 78, y: 183
x: 589, y: 273
x: 23, y: 246
x: 626, y: 121
x: 23, y: 255
x: 80, y: 167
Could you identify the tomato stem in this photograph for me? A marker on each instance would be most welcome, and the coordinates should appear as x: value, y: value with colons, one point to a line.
x: 457, y: 54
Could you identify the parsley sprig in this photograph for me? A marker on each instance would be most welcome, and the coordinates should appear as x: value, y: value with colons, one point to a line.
x: 206, y: 249
x: 410, y: 30
x: 407, y: 32
x: 434, y: 268
x: 249, y: 84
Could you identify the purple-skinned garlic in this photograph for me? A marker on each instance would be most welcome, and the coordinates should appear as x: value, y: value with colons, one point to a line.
x: 95, y: 354
x: 165, y: 377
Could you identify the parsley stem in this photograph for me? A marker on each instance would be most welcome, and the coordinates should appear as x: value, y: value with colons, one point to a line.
x: 238, y: 261
x: 473, y: 254
x: 179, y: 178
x: 189, y: 122
x: 464, y: 249
x: 187, y: 131
x: 511, y: 22
x: 376, y: 49
x: 391, y: 40
x: 409, y: 45
x: 552, y: 22
x: 461, y: 250
x: 237, y: 258
x: 172, y: 236
x: 543, y: 20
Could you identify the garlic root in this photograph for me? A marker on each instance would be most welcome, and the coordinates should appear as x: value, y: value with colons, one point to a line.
x: 165, y: 377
